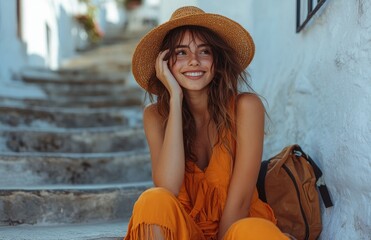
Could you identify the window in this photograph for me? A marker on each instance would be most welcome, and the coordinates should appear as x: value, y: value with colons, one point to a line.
x: 305, y: 10
x: 19, y: 19
x: 48, y: 34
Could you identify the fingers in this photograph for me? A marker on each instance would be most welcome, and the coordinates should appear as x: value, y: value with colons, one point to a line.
x: 164, y: 74
x: 163, y: 54
x: 161, y: 64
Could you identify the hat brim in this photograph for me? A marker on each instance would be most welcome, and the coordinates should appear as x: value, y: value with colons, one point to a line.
x: 146, y: 52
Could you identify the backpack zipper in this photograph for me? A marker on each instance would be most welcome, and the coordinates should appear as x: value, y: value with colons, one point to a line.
x: 301, y: 207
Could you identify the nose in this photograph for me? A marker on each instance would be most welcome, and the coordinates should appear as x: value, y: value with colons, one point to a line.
x: 193, y: 60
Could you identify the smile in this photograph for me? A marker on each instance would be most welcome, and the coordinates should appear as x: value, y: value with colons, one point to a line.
x: 193, y: 74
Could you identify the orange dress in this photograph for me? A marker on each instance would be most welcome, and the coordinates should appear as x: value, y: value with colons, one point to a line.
x: 195, y: 213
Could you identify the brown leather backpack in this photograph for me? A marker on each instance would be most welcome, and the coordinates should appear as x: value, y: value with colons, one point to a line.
x: 287, y: 182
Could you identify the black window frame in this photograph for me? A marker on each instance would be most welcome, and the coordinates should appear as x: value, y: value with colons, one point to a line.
x: 310, y: 13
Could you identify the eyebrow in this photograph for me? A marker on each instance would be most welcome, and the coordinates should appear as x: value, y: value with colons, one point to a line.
x: 198, y: 46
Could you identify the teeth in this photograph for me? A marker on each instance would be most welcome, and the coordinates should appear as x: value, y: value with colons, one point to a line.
x: 193, y: 74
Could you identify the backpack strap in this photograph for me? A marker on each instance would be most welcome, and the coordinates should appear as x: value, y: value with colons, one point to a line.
x: 261, y: 180
x: 320, y: 182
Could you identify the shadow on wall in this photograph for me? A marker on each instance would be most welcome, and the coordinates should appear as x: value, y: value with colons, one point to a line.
x: 112, y: 21
x: 66, y: 39
x: 36, y: 60
x: 59, y: 43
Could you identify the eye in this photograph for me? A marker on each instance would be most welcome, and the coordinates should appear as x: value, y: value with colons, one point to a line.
x: 180, y: 52
x: 205, y: 51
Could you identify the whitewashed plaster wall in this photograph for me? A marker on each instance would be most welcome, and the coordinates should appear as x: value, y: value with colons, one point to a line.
x: 317, y: 85
x: 111, y: 17
x: 31, y: 47
x: 168, y: 7
x: 12, y: 51
x: 55, y: 15
x: 236, y: 10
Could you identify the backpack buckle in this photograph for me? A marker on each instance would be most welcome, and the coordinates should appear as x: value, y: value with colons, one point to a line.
x: 320, y: 182
x: 298, y: 153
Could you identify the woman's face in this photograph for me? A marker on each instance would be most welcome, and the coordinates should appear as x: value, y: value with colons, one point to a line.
x: 193, y: 66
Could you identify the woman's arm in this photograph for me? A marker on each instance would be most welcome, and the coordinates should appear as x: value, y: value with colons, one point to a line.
x: 166, y: 143
x: 249, y: 148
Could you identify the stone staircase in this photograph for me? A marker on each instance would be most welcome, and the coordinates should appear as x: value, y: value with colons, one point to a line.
x: 73, y: 163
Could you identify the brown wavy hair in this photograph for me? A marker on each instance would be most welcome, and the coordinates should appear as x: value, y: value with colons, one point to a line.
x: 222, y: 92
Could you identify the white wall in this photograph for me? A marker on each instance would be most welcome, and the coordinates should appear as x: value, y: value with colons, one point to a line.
x: 168, y: 7
x: 111, y: 17
x: 31, y: 48
x: 236, y: 10
x: 317, y: 84
x: 58, y: 16
x: 12, y: 55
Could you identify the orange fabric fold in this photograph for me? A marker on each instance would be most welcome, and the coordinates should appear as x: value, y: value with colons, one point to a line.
x: 159, y: 208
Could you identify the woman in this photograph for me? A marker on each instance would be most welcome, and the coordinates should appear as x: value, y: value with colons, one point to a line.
x: 205, y: 138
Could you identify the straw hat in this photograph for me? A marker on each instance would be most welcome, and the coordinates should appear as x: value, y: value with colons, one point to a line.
x: 146, y: 52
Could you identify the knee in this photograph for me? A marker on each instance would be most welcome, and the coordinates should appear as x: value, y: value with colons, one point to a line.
x: 254, y: 228
x: 156, y: 193
x: 156, y: 198
x: 241, y: 226
x: 156, y: 205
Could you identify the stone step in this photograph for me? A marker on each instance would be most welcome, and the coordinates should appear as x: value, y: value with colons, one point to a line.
x: 113, y: 230
x: 46, y: 117
x: 94, y: 90
x: 112, y: 58
x: 73, y: 76
x: 97, y: 140
x: 68, y: 204
x: 25, y: 169
x: 80, y: 102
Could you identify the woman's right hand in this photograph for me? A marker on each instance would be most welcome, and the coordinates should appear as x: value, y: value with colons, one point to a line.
x: 164, y: 74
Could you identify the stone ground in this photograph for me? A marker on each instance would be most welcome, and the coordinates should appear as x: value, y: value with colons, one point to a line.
x: 74, y: 159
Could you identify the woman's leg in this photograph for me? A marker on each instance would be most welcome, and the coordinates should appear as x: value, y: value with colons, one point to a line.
x: 254, y: 229
x: 157, y: 214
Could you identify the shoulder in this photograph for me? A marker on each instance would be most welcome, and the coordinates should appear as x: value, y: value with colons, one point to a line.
x: 249, y: 103
x: 153, y: 123
x: 151, y: 114
x: 250, y: 119
x: 150, y: 109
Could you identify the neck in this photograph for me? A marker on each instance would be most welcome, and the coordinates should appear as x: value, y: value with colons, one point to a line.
x: 198, y: 105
